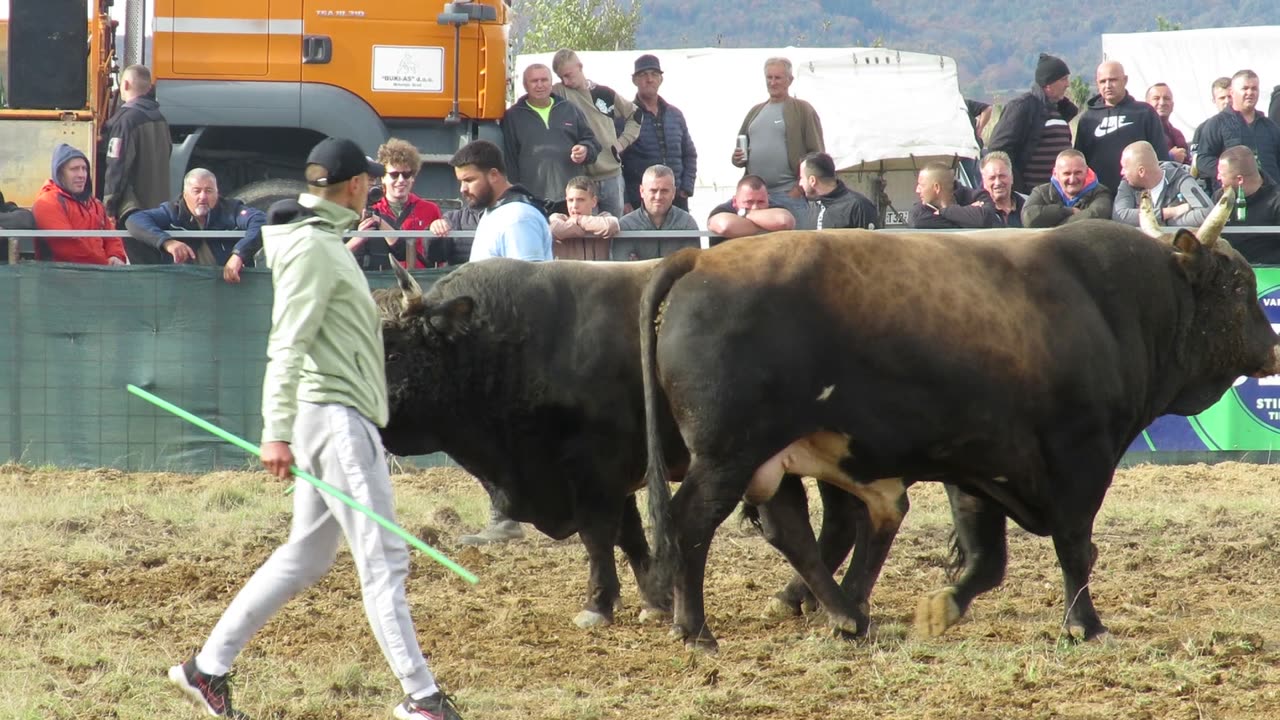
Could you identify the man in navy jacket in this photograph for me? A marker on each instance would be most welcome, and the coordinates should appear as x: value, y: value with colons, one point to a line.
x: 200, y: 208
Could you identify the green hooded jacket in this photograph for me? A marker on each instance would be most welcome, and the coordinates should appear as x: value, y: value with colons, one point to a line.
x: 325, y: 344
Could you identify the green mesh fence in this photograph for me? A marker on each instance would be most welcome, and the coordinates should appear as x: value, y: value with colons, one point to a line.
x: 76, y: 335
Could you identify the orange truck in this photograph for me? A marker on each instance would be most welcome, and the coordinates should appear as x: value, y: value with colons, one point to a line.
x: 249, y: 86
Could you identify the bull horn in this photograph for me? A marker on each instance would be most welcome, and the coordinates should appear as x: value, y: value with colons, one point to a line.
x: 410, y: 290
x: 1211, y: 230
x: 1147, y: 219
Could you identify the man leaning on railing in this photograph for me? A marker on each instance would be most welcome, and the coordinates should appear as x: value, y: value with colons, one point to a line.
x: 200, y: 208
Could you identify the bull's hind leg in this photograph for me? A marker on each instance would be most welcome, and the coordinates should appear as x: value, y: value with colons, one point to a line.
x: 785, y: 522
x: 707, y: 496
x: 982, y: 546
x: 844, y: 523
x: 657, y: 600
x: 875, y: 538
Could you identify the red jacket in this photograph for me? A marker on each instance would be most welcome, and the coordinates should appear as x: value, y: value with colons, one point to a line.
x: 417, y: 214
x: 55, y: 209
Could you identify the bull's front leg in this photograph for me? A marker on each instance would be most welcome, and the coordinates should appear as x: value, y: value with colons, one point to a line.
x: 599, y: 531
x: 1076, y: 555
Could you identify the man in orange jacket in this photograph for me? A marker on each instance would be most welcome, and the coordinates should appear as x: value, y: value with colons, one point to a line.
x: 66, y: 202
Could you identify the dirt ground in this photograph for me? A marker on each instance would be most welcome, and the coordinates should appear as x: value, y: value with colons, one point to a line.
x: 1186, y: 580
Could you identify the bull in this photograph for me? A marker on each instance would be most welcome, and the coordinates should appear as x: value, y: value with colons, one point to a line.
x: 528, y: 376
x: 1017, y: 366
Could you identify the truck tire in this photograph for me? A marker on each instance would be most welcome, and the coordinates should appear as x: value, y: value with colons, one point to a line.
x: 262, y: 193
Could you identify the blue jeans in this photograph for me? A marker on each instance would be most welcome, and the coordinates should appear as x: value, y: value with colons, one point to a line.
x: 609, y: 195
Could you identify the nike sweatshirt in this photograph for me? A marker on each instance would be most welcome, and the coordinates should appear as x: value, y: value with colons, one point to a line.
x: 1104, y: 132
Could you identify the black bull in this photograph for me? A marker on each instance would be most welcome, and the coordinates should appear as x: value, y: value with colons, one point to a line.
x: 528, y: 375
x: 1018, y: 366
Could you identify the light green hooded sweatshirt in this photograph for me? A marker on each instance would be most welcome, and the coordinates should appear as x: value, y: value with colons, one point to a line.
x: 326, y: 335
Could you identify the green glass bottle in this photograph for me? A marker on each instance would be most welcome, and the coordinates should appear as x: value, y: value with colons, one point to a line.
x: 1242, y: 214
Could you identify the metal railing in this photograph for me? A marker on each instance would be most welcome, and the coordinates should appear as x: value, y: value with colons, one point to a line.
x: 647, y: 238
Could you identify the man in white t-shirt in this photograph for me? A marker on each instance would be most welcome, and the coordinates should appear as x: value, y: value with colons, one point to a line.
x: 511, y: 225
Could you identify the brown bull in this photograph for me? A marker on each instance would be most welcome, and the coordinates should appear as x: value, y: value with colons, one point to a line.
x: 1019, y: 366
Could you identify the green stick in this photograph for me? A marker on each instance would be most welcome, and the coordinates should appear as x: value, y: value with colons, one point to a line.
x: 317, y: 482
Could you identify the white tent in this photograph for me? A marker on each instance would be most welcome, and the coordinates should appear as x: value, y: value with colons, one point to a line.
x: 882, y: 111
x: 1190, y: 60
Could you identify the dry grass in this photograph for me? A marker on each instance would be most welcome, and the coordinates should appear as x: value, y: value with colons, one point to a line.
x: 106, y: 579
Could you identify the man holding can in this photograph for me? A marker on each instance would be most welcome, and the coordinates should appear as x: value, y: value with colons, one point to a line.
x: 775, y: 136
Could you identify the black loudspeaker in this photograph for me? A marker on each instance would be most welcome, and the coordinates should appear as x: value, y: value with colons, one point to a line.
x: 48, y: 55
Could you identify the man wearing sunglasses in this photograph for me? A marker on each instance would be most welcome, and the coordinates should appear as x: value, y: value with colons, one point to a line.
x: 400, y: 209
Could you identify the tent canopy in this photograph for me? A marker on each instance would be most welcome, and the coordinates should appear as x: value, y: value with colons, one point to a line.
x: 1188, y: 61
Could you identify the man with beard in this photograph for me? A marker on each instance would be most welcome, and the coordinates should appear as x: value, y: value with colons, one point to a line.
x: 511, y: 226
x: 832, y: 203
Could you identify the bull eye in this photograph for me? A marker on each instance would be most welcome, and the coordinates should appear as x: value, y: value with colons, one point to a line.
x: 393, y: 357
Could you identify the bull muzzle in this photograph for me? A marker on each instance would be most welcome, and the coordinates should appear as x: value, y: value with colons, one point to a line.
x: 1272, y: 366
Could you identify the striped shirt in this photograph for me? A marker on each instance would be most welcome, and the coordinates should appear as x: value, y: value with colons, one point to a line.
x: 1055, y: 138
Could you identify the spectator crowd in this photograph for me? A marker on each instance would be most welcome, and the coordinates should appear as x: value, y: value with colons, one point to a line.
x: 581, y: 162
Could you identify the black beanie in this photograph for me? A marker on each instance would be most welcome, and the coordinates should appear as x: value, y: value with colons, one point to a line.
x: 1050, y: 69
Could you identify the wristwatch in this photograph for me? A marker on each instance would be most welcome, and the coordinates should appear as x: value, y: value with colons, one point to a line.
x: 742, y: 212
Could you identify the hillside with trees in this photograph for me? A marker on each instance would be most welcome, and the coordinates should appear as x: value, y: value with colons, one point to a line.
x: 995, y: 45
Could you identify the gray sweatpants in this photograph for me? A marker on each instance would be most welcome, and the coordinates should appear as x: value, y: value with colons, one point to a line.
x: 341, y: 447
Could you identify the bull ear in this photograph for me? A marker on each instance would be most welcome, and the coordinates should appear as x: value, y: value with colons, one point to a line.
x: 1188, y: 251
x: 452, y: 318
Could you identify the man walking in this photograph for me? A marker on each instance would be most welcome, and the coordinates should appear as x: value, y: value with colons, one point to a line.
x: 324, y: 395
x: 137, y: 159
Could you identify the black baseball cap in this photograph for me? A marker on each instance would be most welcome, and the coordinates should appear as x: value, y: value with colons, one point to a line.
x: 647, y: 62
x: 342, y: 160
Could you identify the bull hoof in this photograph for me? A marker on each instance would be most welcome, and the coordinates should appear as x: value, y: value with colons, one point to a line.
x: 703, y: 642
x: 653, y: 614
x: 703, y: 645
x: 778, y: 607
x: 1076, y: 633
x: 591, y: 619
x: 936, y: 612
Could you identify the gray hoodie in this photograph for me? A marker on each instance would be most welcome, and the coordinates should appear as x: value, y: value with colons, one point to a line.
x: 1179, y: 187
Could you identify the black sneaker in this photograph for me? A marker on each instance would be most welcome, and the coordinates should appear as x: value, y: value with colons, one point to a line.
x: 211, y: 692
x: 436, y: 706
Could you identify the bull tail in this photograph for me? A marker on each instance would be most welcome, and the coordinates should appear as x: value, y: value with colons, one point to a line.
x: 666, y: 556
